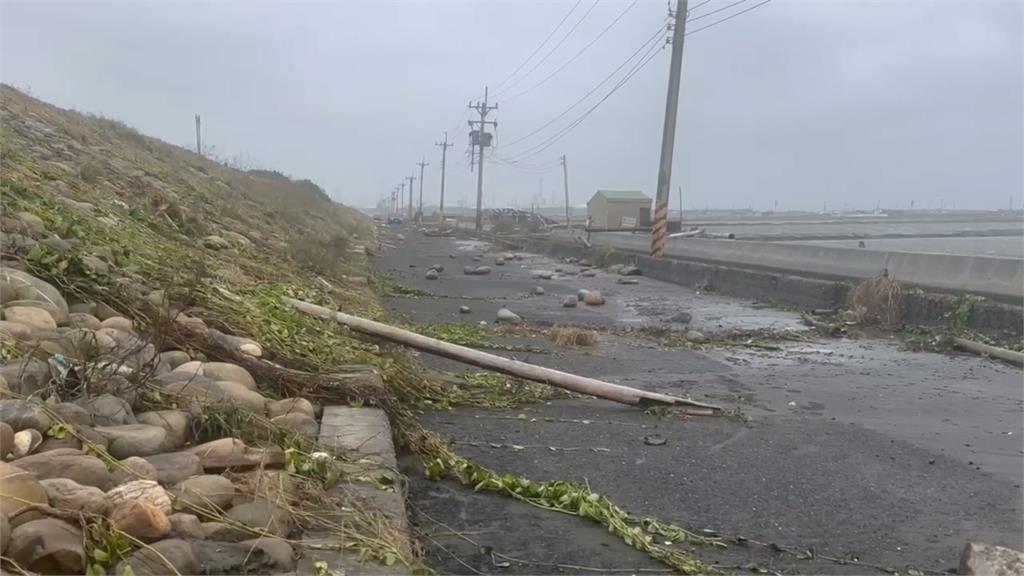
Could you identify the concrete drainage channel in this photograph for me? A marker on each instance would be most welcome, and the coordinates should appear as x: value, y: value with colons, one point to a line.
x: 360, y: 438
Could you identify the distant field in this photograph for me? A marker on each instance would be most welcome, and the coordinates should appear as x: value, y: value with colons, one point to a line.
x: 1002, y: 246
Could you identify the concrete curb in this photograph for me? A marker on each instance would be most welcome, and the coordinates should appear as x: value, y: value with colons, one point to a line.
x: 362, y: 437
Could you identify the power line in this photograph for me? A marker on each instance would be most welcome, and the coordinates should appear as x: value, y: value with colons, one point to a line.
x: 552, y: 51
x: 715, y: 11
x: 697, y: 6
x: 730, y: 17
x: 534, y: 53
x: 646, y: 45
x: 577, y: 55
x: 537, y: 149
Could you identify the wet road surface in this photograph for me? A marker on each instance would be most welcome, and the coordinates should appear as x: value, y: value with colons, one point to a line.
x: 854, y: 448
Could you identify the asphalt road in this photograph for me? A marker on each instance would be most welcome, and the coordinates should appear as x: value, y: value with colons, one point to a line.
x: 855, y: 449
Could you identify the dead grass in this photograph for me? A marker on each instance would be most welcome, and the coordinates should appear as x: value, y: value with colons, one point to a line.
x: 877, y: 300
x: 569, y: 336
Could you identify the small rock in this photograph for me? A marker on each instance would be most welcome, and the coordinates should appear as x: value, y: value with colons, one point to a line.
x: 14, y: 331
x: 140, y: 519
x: 301, y: 423
x: 477, y: 258
x: 229, y: 372
x: 581, y: 294
x: 33, y: 224
x: 133, y: 439
x: 176, y: 423
x: 464, y: 309
x: 432, y: 274
x: 59, y: 317
x: 280, y: 552
x: 263, y: 515
x: 233, y: 453
x: 67, y: 494
x: 26, y: 441
x: 655, y: 440
x: 538, y: 290
x: 234, y: 558
x: 20, y: 285
x: 18, y: 490
x: 499, y: 261
x: 118, y: 323
x: 990, y: 560
x: 468, y: 270
x: 186, y: 526
x: 154, y: 560
x: 235, y: 393
x: 630, y: 270
x: 68, y: 463
x: 696, y: 337
x: 680, y: 317
x: 131, y: 469
x: 593, y: 298
x: 48, y: 546
x: 544, y: 274
x: 145, y: 490
x: 193, y: 367
x: 291, y: 405
x: 439, y: 268
x: 174, y: 358
x: 214, y: 242
x: 507, y: 316
x: 569, y: 302
x: 482, y: 270
x: 108, y: 410
x: 625, y: 280
x: 73, y: 413
x: 203, y: 491
x: 36, y: 319
x: 173, y: 467
x: 6, y: 440
x: 221, y: 532
x: 80, y: 320
x: 452, y: 256
x: 22, y: 414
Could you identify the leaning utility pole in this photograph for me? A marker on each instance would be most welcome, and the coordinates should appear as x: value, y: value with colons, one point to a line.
x: 659, y: 238
x: 401, y: 201
x: 419, y: 211
x: 199, y: 138
x: 565, y: 182
x: 410, y: 179
x: 479, y: 138
x: 444, y: 153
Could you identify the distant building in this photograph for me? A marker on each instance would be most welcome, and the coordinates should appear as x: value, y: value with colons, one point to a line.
x: 619, y: 209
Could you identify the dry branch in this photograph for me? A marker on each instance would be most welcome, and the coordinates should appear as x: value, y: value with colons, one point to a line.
x: 1011, y: 356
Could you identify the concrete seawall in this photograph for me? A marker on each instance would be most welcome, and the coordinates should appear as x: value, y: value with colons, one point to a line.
x: 1000, y: 279
x: 827, y: 286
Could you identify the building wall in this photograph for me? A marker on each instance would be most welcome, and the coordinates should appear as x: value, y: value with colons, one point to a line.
x: 597, y: 210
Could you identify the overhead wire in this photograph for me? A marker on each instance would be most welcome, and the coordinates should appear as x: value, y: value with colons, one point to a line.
x: 577, y: 55
x: 544, y: 145
x: 715, y: 11
x: 552, y: 51
x: 538, y: 49
x: 646, y: 45
x: 729, y: 17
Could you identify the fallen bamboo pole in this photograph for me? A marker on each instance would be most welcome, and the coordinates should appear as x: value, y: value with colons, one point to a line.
x: 1011, y: 356
x: 572, y: 382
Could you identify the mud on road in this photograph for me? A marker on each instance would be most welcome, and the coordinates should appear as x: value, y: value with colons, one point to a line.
x: 853, y: 448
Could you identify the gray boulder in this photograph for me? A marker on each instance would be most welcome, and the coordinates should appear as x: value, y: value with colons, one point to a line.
x: 108, y: 410
x: 23, y: 414
x: 48, y: 546
x: 301, y: 423
x: 20, y: 285
x: 989, y: 560
x: 176, y: 423
x: 263, y: 515
x: 154, y: 560
x: 203, y: 491
x: 507, y: 316
x: 174, y: 467
x: 66, y: 494
x: 133, y: 439
x: 68, y: 463
x: 228, y: 372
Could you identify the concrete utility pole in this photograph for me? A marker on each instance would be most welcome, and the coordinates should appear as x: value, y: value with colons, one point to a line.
x: 199, y: 138
x: 419, y: 211
x: 565, y: 184
x: 481, y: 141
x: 410, y: 179
x: 444, y: 154
x: 401, y: 201
x: 659, y: 238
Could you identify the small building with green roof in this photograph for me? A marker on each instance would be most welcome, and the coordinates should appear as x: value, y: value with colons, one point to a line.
x: 619, y: 209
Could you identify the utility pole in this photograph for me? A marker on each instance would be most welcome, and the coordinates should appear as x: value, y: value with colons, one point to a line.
x: 199, y: 138
x: 482, y: 141
x: 680, y: 207
x: 410, y: 179
x: 401, y: 201
x: 659, y: 238
x: 444, y: 153
x: 565, y: 184
x: 419, y: 212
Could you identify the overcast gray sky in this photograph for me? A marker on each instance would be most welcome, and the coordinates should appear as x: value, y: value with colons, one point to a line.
x: 800, y: 102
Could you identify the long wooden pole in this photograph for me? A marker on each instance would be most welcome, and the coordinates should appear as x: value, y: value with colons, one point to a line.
x: 1006, y: 355
x: 572, y: 382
